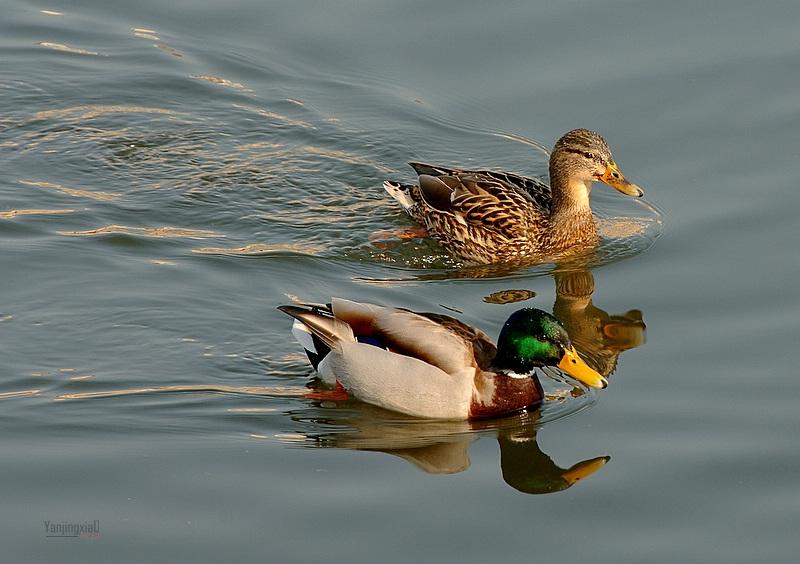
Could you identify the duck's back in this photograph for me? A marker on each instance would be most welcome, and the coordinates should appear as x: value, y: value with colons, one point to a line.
x: 537, y: 190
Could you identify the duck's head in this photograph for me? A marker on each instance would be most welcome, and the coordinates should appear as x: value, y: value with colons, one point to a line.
x: 581, y: 157
x: 532, y: 337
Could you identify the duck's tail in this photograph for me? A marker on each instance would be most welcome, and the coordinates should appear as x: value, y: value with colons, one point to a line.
x: 400, y: 192
x: 317, y: 330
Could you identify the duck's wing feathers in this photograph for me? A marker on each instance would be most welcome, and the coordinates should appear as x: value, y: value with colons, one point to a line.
x: 438, y: 340
x: 433, y: 170
x: 483, y: 349
x: 479, y: 199
x: 538, y: 190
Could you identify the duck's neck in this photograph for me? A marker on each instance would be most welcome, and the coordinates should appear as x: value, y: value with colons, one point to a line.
x: 570, y: 193
x: 573, y: 294
x: 570, y: 213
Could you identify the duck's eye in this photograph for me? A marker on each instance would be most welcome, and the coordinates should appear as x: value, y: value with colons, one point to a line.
x: 588, y: 155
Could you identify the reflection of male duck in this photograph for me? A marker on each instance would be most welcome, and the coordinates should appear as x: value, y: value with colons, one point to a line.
x: 598, y: 336
x: 442, y: 447
x: 529, y: 470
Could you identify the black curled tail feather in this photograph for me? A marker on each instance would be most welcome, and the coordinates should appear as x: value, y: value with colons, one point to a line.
x: 317, y: 330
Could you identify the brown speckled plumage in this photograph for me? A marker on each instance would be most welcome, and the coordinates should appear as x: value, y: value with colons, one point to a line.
x: 486, y: 216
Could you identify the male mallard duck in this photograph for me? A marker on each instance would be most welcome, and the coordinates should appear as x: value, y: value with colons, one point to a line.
x: 432, y: 365
x: 485, y: 216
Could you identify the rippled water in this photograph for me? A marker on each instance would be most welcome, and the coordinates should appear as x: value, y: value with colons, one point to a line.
x: 172, y: 172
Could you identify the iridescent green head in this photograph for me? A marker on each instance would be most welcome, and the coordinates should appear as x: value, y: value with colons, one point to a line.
x: 532, y: 337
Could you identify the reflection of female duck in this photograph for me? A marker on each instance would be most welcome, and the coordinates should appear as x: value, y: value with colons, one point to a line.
x: 442, y: 447
x: 485, y: 216
x: 598, y: 336
x: 432, y: 365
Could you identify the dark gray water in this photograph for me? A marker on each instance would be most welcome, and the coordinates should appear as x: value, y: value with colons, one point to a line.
x: 170, y: 172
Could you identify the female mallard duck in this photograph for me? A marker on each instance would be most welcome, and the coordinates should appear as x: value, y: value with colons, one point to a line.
x: 486, y: 216
x: 432, y: 365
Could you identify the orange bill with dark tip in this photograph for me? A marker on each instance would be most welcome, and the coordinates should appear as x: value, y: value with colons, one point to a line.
x: 614, y: 178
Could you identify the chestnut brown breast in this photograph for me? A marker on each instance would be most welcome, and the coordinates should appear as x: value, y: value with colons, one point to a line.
x: 497, y: 394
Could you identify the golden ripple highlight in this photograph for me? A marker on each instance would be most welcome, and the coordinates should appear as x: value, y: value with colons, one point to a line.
x: 145, y: 33
x: 219, y: 80
x: 34, y: 211
x: 271, y: 391
x: 260, y: 146
x: 101, y: 196
x: 66, y: 48
x: 263, y: 249
x: 158, y: 232
x: 168, y: 49
x: 273, y: 115
x: 622, y: 227
x: 51, y: 13
x: 6, y: 317
x: 291, y: 437
x: 346, y: 157
x: 19, y: 394
x: 90, y: 111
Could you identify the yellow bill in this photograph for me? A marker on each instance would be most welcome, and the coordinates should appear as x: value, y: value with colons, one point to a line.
x: 614, y: 178
x: 584, y: 469
x: 573, y: 365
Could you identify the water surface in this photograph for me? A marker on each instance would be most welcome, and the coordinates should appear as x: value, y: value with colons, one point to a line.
x: 171, y: 173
